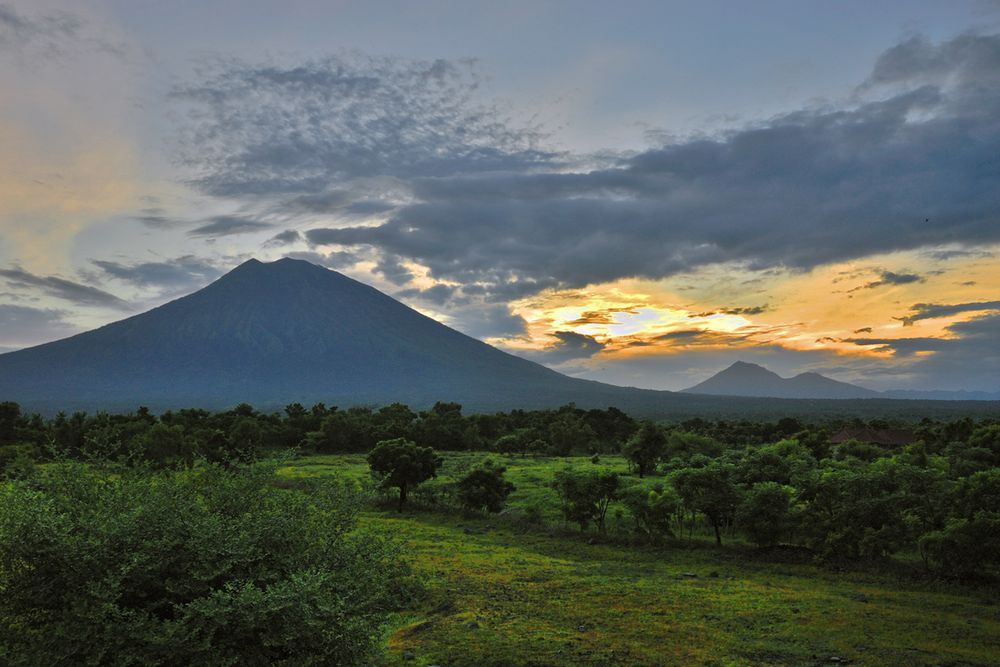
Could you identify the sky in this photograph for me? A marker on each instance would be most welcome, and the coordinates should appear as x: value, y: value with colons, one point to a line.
x: 640, y: 192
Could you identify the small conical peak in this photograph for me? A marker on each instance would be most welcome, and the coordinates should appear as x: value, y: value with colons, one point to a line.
x: 284, y: 265
x: 745, y: 366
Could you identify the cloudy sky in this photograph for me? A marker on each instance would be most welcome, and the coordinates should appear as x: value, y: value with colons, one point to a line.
x: 638, y: 192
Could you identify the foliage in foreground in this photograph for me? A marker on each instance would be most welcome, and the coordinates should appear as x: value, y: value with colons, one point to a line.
x: 206, y: 567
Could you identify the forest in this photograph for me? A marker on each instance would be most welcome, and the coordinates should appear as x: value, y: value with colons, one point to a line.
x: 137, y: 538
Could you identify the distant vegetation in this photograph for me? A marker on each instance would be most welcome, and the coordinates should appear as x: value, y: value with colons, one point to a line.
x: 95, y: 482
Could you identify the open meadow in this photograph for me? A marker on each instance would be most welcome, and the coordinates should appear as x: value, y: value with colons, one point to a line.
x: 524, y: 589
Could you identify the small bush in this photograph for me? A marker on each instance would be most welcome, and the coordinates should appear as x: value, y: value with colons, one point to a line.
x: 484, y: 488
x: 200, y: 567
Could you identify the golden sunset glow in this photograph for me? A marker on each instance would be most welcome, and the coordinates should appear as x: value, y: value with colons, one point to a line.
x: 831, y: 308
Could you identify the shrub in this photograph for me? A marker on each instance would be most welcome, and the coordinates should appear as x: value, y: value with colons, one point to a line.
x: 533, y: 515
x: 586, y: 496
x: 764, y: 514
x: 207, y: 567
x: 965, y: 546
x: 711, y: 491
x: 653, y: 511
x: 484, y: 488
x: 644, y: 449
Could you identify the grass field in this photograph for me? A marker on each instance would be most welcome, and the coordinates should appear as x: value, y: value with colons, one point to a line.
x: 500, y: 593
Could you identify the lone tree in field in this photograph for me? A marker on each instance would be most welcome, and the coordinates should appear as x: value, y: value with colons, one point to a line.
x: 484, y: 488
x: 401, y: 464
x: 645, y: 448
x: 586, y: 496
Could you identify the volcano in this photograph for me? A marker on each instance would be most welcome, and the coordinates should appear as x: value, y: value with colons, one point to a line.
x: 275, y: 333
x: 745, y: 379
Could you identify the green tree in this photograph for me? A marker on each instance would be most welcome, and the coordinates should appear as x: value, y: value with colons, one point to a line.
x: 853, y: 510
x: 484, y: 488
x: 653, y: 510
x: 199, y: 567
x: 980, y: 492
x: 246, y: 438
x: 341, y: 431
x: 585, y: 497
x: 645, y: 447
x: 166, y: 446
x: 444, y: 427
x: 765, y: 513
x: 683, y: 445
x: 711, y: 491
x: 965, y: 546
x: 401, y: 464
x: 10, y: 417
x: 569, y: 433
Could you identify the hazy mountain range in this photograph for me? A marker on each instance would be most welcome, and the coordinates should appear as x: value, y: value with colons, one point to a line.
x: 744, y: 379
x: 275, y: 333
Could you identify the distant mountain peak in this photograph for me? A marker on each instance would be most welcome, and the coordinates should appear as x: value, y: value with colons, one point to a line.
x: 747, y: 379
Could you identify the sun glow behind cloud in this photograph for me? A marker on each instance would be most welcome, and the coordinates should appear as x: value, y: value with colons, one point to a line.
x: 836, y: 310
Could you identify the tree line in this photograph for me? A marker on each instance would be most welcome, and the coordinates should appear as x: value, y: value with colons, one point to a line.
x: 780, y: 482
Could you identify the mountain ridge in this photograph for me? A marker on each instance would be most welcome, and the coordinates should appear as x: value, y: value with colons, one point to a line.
x: 289, y: 331
x: 753, y: 380
x: 746, y: 379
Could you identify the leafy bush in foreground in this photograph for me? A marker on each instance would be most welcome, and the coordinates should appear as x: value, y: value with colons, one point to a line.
x: 206, y: 567
x: 484, y: 488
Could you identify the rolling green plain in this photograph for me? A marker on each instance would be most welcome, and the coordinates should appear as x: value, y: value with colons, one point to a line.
x: 504, y: 591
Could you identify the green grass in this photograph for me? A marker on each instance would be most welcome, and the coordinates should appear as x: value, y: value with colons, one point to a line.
x: 498, y: 594
x: 531, y: 476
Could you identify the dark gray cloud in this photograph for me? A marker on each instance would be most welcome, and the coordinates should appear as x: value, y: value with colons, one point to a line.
x: 739, y: 310
x: 438, y: 295
x: 392, y: 269
x: 969, y: 360
x: 183, y: 272
x: 891, y: 278
x: 946, y: 254
x: 51, y: 31
x: 912, y: 165
x: 927, y: 311
x: 900, y: 346
x: 286, y: 237
x: 968, y: 59
x: 78, y: 293
x: 226, y: 225
x: 568, y: 346
x: 361, y: 200
x: 266, y: 129
x: 156, y: 217
x: 368, y: 207
x: 699, y: 337
x: 22, y: 325
x: 606, y: 316
x: 51, y: 34
x: 331, y: 260
x: 487, y: 321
